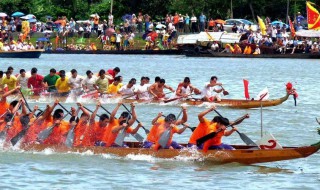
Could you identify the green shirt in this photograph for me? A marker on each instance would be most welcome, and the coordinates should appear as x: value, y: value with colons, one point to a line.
x: 51, y: 81
x: 102, y: 84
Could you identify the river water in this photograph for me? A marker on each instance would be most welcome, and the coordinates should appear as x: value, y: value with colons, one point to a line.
x: 289, y: 124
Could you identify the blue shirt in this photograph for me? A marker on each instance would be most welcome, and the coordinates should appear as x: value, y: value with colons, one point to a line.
x: 187, y: 19
x: 202, y: 18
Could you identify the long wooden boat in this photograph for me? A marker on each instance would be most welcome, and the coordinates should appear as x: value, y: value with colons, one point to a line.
x: 132, y: 52
x: 21, y: 54
x: 229, y: 55
x: 243, y: 154
x: 231, y: 103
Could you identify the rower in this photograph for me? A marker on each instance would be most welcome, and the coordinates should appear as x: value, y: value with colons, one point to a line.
x: 75, y: 82
x: 185, y: 88
x: 4, y: 105
x: 142, y: 89
x: 50, y: 80
x: 161, y: 125
x: 88, y: 83
x: 9, y: 80
x: 62, y: 84
x: 83, y: 133
x: 35, y: 81
x: 156, y: 90
x: 113, y: 73
x: 209, y: 87
x: 114, y: 87
x: 124, y: 122
x: 22, y: 79
x: 128, y: 89
x: 60, y: 130
x: 102, y: 83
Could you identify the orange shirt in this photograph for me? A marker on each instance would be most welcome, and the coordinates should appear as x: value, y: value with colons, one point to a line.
x: 176, y: 19
x: 111, y: 137
x: 83, y: 134
x: 211, y: 23
x: 32, y: 134
x: 161, y: 128
x: 99, y: 132
x: 59, y: 133
x: 216, y: 141
x: 153, y: 131
x: 3, y: 106
x: 15, y: 128
x: 201, y: 130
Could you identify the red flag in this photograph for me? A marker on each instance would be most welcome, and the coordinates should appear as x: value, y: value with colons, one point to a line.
x: 313, y: 17
x: 293, y: 32
x: 246, y: 88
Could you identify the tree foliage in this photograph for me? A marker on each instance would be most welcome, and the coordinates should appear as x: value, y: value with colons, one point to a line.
x: 157, y: 9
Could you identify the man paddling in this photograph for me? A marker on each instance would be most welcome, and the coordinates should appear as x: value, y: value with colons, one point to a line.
x: 35, y: 81
x: 217, y: 124
x: 50, y: 80
x: 156, y: 90
x: 142, y: 89
x: 170, y: 122
x: 4, y: 105
x: 209, y: 88
x: 185, y: 89
x: 128, y: 90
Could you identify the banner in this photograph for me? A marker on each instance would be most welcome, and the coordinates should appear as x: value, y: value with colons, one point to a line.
x: 263, y: 95
x: 293, y: 32
x: 268, y: 142
x: 313, y: 17
x: 262, y: 26
x: 246, y: 89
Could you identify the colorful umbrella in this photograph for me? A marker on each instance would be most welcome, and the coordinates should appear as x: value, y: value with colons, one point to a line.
x: 3, y: 15
x: 126, y: 16
x: 219, y: 21
x: 110, y: 32
x: 17, y: 14
x: 28, y: 17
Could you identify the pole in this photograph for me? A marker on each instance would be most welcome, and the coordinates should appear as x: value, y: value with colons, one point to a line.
x: 287, y: 11
x: 261, y: 118
x: 231, y: 10
x: 111, y: 6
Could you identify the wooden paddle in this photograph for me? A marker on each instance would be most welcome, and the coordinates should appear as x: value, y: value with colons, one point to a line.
x: 318, y: 121
x: 145, y: 130
x: 164, y: 138
x: 25, y: 101
x: 174, y: 99
x: 3, y: 133
x: 244, y: 137
x: 19, y: 136
x: 122, y: 134
x: 224, y: 91
x: 70, y: 135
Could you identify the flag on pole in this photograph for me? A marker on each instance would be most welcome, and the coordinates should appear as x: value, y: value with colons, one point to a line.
x: 293, y: 32
x: 262, y: 26
x: 313, y: 17
x: 263, y: 95
x: 246, y: 89
x: 268, y: 142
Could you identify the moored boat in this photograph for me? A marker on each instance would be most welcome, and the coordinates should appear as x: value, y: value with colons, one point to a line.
x: 243, y: 154
x: 21, y: 54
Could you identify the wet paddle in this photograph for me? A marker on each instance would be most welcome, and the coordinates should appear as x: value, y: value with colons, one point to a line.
x: 164, y: 138
x: 145, y: 130
x: 318, y: 121
x: 122, y: 134
x: 174, y: 99
x: 70, y: 137
x: 224, y: 91
x: 213, y: 134
x: 25, y: 101
x: 19, y: 136
x: 3, y: 133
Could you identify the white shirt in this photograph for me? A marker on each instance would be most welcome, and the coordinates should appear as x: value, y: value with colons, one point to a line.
x: 142, y: 91
x: 75, y: 82
x: 193, y: 19
x: 118, y: 38
x: 124, y: 90
x: 89, y: 82
x: 207, y: 91
x: 23, y: 81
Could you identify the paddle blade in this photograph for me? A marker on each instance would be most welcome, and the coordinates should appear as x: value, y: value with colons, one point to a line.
x: 203, y: 139
x: 70, y: 136
x: 318, y: 121
x: 247, y: 140
x: 120, y: 138
x: 163, y: 141
x: 138, y: 137
x: 3, y: 134
x: 19, y: 136
x: 146, y: 130
x: 171, y: 100
x: 45, y: 133
x: 192, y: 128
x: 225, y: 93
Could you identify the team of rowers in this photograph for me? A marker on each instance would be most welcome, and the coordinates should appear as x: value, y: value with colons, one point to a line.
x: 104, y: 83
x: 88, y: 132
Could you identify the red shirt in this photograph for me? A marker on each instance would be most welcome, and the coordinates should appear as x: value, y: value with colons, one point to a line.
x: 112, y: 73
x: 36, y: 83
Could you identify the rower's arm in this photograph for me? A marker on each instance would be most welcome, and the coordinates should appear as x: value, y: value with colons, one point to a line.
x: 114, y: 112
x: 184, y: 116
x: 35, y: 108
x: 5, y: 95
x: 24, y: 108
x: 119, y: 127
x: 181, y: 130
x: 169, y: 87
x: 134, y: 115
x: 135, y: 130
x: 205, y: 112
x: 16, y: 108
x: 154, y: 121
x: 84, y: 110
x: 95, y: 112
x: 178, y: 92
x: 228, y: 133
